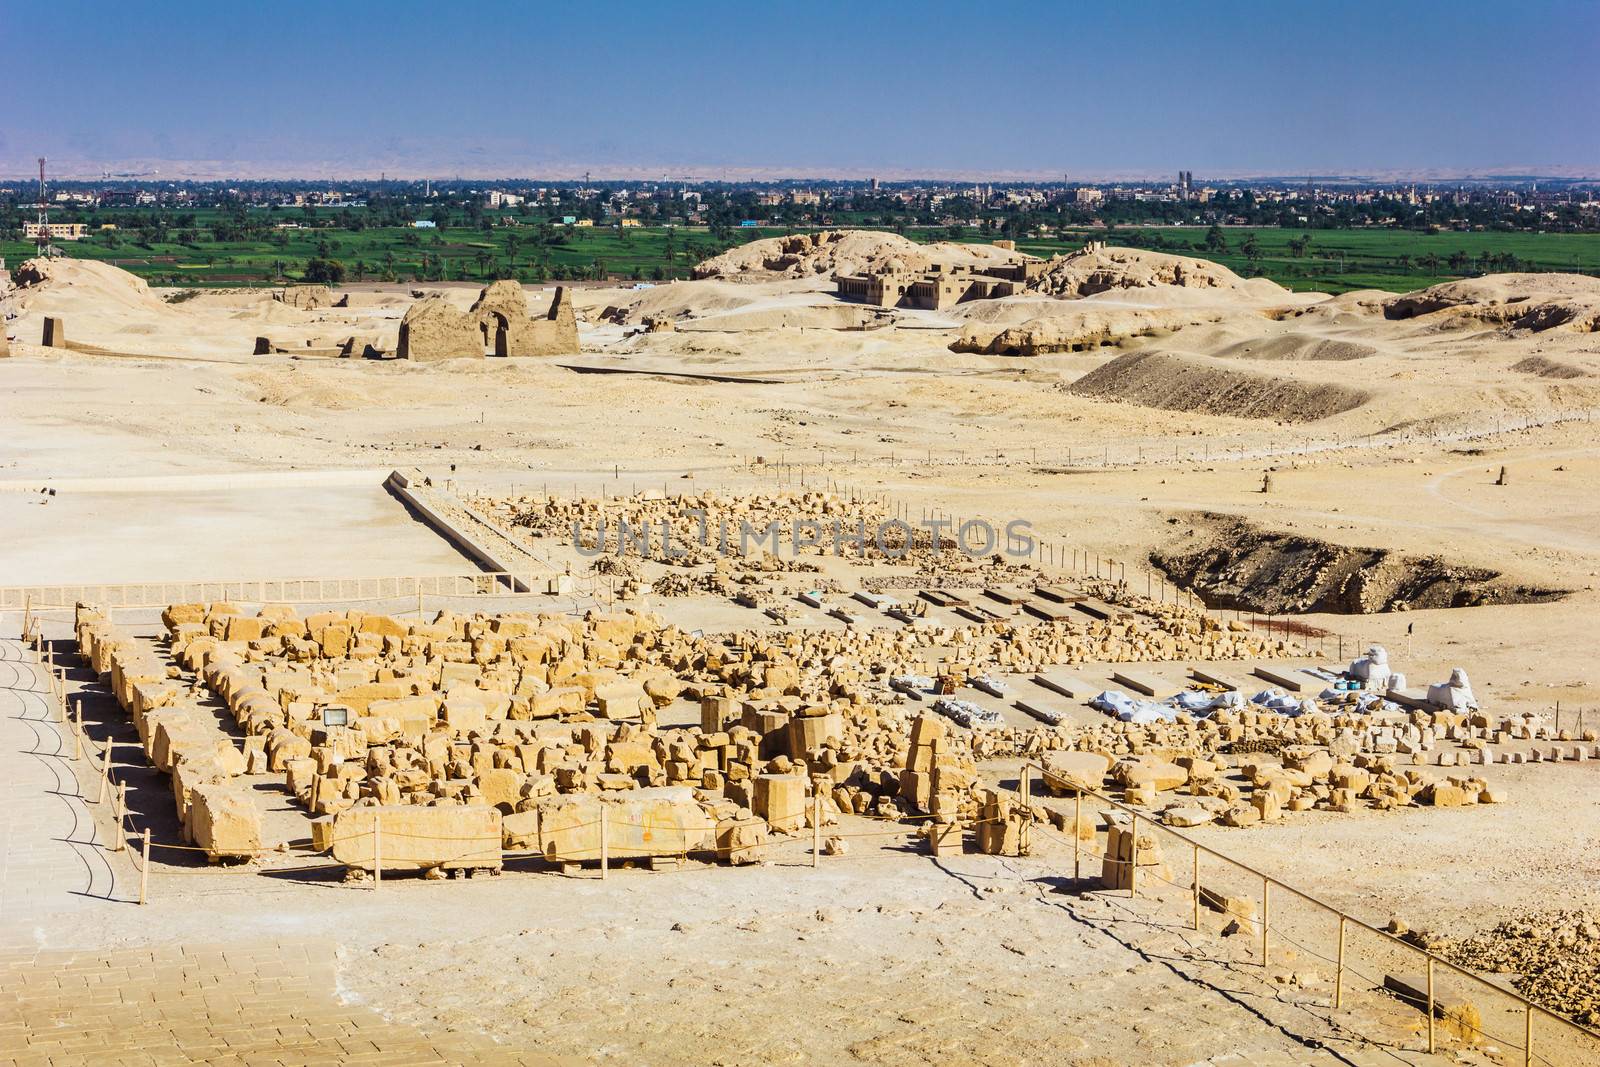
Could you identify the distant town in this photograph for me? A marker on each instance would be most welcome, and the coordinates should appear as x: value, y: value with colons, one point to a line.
x: 264, y: 232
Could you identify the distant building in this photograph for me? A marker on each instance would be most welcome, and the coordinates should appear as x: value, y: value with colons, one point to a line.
x: 496, y: 198
x: 1088, y: 196
x: 55, y: 231
x: 631, y: 223
x: 424, y: 224
x: 942, y: 286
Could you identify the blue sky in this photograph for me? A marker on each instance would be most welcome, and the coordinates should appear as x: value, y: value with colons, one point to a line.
x: 758, y: 89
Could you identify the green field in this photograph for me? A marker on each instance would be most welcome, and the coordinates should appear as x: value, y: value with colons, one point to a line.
x: 190, y: 256
x: 1336, y: 261
x: 536, y: 251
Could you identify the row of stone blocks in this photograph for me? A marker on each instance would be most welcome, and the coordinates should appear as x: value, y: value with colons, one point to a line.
x: 216, y: 813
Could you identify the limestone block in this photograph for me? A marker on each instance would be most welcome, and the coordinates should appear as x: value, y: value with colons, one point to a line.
x: 1069, y: 772
x: 417, y: 837
x: 716, y: 713
x: 808, y: 732
x: 1162, y: 774
x: 464, y: 715
x: 621, y: 700
x: 781, y: 800
x: 224, y: 820
x: 741, y: 840
x: 944, y: 838
x: 663, y: 821
x: 501, y: 788
x: 519, y: 831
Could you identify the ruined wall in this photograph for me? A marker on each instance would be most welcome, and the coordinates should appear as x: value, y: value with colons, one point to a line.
x: 434, y: 330
x: 306, y: 297
x: 507, y: 329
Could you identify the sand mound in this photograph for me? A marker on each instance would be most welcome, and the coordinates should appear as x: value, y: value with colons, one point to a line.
x: 845, y: 252
x: 62, y: 282
x: 1533, y: 302
x: 1074, y: 330
x: 838, y: 317
x: 1545, y: 367
x: 1098, y: 269
x: 1297, y: 346
x: 688, y: 300
x: 1195, y: 383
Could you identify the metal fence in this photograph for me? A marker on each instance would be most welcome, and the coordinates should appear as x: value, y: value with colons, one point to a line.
x: 1324, y: 932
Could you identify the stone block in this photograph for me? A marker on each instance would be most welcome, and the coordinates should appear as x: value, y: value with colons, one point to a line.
x: 741, y: 839
x: 224, y: 820
x: 664, y: 821
x: 781, y: 800
x: 415, y: 837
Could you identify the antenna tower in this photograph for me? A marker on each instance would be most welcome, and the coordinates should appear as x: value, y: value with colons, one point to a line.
x: 42, y: 238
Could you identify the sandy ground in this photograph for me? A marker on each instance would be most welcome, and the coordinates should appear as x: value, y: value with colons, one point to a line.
x: 220, y: 534
x: 884, y: 978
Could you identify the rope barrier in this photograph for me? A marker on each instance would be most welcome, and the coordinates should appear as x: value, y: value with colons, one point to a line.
x: 1528, y: 1006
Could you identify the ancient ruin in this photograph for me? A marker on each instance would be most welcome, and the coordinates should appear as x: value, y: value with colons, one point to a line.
x: 508, y: 330
x: 434, y: 330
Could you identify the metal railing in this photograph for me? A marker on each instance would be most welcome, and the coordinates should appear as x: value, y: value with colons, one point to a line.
x: 1345, y: 922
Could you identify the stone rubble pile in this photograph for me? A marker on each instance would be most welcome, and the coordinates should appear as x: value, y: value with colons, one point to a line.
x: 1554, y: 957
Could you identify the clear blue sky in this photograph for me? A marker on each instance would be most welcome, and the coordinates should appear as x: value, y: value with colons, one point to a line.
x: 855, y: 88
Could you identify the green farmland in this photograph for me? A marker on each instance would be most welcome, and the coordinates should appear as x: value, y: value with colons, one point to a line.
x: 318, y: 242
x: 1336, y: 261
x: 534, y: 253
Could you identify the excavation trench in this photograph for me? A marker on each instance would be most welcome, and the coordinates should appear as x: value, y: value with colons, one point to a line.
x: 1232, y: 563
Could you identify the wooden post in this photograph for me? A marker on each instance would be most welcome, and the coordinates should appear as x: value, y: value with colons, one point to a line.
x: 1430, y: 1005
x: 605, y: 844
x: 1197, y: 887
x: 105, y: 774
x: 377, y: 850
x: 1527, y: 1036
x: 1264, y: 922
x: 816, y: 826
x: 1077, y: 821
x: 121, y: 813
x: 1338, y: 973
x: 1133, y: 860
x: 77, y: 733
x: 144, y: 869
x: 1025, y: 837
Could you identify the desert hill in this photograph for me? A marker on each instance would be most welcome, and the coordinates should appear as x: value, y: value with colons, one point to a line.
x: 1534, y: 302
x: 845, y: 252
x: 1098, y: 269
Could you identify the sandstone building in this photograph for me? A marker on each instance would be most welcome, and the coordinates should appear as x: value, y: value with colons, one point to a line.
x: 498, y: 322
x: 939, y: 287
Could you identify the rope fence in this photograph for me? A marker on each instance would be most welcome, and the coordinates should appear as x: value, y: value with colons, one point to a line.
x: 1345, y: 924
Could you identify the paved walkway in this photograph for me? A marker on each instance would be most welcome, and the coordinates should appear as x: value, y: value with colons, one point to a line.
x: 262, y: 1004
x: 53, y: 855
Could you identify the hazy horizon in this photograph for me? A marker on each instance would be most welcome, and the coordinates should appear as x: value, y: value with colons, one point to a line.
x: 726, y: 91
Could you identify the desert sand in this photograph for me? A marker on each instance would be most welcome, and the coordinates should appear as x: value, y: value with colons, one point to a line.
x: 1156, y: 398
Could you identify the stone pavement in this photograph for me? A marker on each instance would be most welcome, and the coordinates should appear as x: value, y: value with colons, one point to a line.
x: 269, y: 1003
x: 53, y: 857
